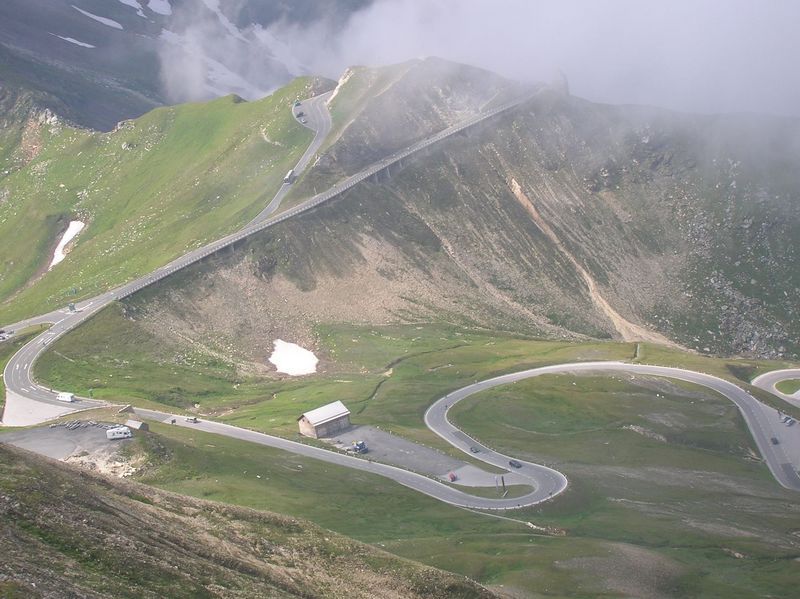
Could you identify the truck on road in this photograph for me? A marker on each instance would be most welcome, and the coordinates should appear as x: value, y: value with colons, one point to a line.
x: 289, y: 176
x: 64, y: 396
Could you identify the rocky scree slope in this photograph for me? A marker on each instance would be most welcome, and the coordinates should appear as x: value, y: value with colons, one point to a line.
x: 69, y: 532
x: 559, y: 218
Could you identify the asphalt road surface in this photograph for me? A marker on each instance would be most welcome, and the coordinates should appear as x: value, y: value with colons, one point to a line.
x: 768, y: 381
x: 427, y: 485
x: 781, y: 458
x: 318, y: 119
x: 545, y: 482
x: 17, y: 374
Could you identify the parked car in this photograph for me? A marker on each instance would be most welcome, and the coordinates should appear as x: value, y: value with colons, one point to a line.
x: 514, y: 464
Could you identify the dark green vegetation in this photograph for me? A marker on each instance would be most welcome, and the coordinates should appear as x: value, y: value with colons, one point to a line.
x: 148, y: 192
x: 527, y: 225
x: 665, y: 507
x: 386, y: 375
x: 68, y: 532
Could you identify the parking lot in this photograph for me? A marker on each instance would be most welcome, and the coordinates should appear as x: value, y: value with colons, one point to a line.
x: 61, y: 441
x: 391, y: 449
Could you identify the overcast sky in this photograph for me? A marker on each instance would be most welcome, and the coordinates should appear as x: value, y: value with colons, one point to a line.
x: 698, y: 55
x: 690, y: 55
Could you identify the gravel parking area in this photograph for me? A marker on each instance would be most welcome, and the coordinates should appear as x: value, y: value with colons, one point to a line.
x: 63, y: 440
x: 391, y: 449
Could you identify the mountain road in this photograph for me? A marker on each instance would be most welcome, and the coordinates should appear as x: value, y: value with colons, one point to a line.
x: 29, y: 403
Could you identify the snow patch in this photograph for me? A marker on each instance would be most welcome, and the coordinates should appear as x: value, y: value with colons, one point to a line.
x: 103, y: 20
x: 73, y: 229
x: 72, y: 40
x: 135, y: 5
x: 292, y: 359
x: 161, y: 7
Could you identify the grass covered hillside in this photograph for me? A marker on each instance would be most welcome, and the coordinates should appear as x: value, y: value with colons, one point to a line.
x: 148, y: 191
x: 377, y: 111
x: 67, y: 532
x: 560, y: 217
x: 667, y: 494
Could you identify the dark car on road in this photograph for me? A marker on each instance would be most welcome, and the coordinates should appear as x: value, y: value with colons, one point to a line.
x: 474, y: 449
x: 774, y: 440
x: 514, y: 464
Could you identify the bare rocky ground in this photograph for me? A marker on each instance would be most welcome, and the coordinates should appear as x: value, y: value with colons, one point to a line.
x: 83, y: 443
x: 562, y: 219
x: 67, y: 532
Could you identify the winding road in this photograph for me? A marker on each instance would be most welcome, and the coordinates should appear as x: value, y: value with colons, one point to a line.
x: 29, y: 403
x: 769, y: 380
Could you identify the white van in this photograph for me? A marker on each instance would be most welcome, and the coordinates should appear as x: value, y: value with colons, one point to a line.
x: 119, y: 432
x: 68, y: 397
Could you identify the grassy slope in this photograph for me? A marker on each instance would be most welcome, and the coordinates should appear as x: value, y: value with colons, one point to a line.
x: 121, y: 361
x: 789, y: 386
x: 693, y: 495
x: 185, y: 175
x: 426, y: 362
x: 731, y: 505
x: 114, y: 538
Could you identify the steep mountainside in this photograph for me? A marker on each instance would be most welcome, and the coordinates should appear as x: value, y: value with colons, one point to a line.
x: 69, y: 533
x: 561, y: 217
x: 147, y: 191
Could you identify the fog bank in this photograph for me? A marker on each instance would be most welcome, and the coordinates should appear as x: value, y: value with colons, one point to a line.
x: 699, y: 56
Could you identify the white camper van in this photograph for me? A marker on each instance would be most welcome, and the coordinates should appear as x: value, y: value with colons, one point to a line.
x: 68, y: 397
x: 119, y: 432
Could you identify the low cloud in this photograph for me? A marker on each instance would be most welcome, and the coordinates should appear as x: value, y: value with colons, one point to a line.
x: 701, y: 56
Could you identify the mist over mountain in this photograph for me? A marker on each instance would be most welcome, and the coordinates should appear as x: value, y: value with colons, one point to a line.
x: 425, y: 201
x: 97, y: 62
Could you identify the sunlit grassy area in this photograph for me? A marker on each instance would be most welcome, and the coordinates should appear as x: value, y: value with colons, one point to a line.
x: 789, y: 386
x: 149, y: 191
